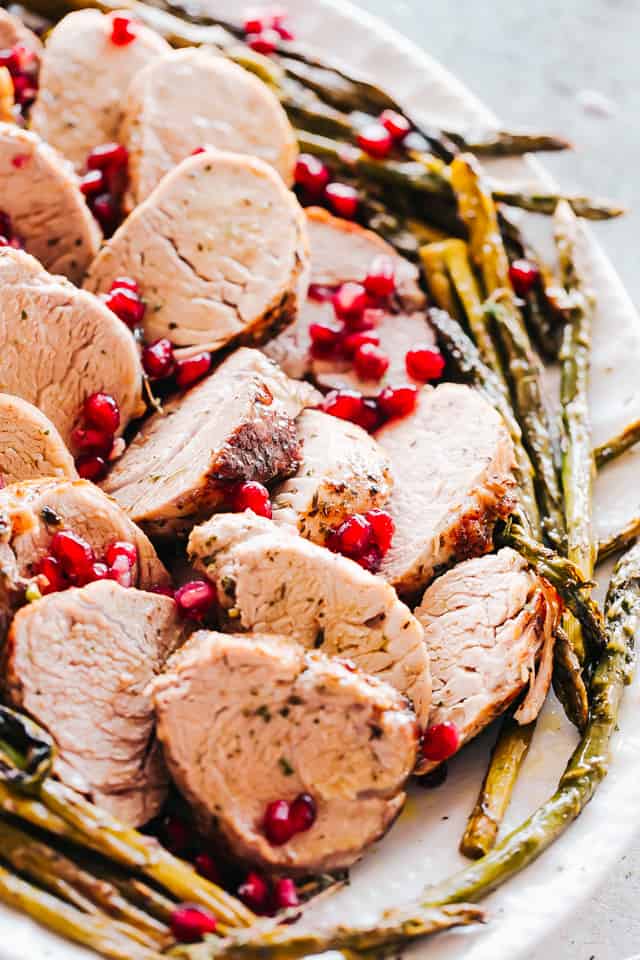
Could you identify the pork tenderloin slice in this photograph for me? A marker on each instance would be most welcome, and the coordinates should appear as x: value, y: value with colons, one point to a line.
x: 238, y: 424
x: 219, y: 250
x: 41, y: 194
x: 489, y: 625
x: 281, y: 722
x: 79, y: 662
x: 271, y: 580
x: 343, y: 471
x: 13, y: 30
x: 452, y: 463
x: 193, y: 98
x: 59, y: 344
x: 30, y: 445
x: 84, y: 78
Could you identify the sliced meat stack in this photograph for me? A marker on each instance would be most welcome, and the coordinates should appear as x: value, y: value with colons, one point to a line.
x: 343, y: 251
x: 84, y: 78
x: 284, y: 724
x: 193, y: 98
x: 58, y: 345
x: 238, y: 424
x: 30, y: 445
x: 79, y: 663
x: 489, y: 625
x: 219, y: 251
x: 343, y: 471
x: 271, y: 580
x: 452, y: 463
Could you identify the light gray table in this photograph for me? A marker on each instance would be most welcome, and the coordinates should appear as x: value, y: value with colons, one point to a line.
x: 571, y: 67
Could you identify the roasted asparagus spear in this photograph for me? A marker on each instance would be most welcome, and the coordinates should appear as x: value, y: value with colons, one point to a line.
x: 616, y: 446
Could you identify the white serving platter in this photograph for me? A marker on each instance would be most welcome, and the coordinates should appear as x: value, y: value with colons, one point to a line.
x: 422, y: 847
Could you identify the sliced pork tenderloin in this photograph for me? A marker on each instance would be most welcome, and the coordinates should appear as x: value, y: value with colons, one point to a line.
x: 84, y: 78
x: 238, y: 424
x: 79, y: 662
x: 13, y: 31
x: 283, y: 723
x: 489, y: 625
x: 58, y: 345
x: 343, y: 471
x: 194, y: 98
x: 271, y: 580
x: 219, y: 251
x: 452, y: 462
x: 30, y: 445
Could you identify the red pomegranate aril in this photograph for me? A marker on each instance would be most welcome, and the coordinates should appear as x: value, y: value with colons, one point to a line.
x: 126, y: 305
x: 123, y: 31
x: 523, y: 275
x: 342, y: 199
x: 303, y: 813
x: 206, y: 867
x: 397, y: 125
x: 106, y: 156
x: 369, y: 319
x: 345, y: 404
x: 158, y: 359
x: 383, y: 528
x: 99, y: 571
x: 371, y: 559
x: 440, y: 741
x: 320, y: 292
x: 72, y: 552
x: 424, y: 364
x: 370, y: 362
x: 192, y: 369
x: 11, y: 58
x: 353, y: 341
x: 20, y: 160
x: 252, y: 496
x: 327, y: 333
x: 381, y: 279
x: 120, y: 571
x: 121, y: 548
x: 92, y: 441
x: 195, y: 598
x: 106, y: 211
x: 92, y: 182
x: 189, y: 923
x: 51, y: 571
x: 398, y: 401
x: 277, y: 825
x: 265, y: 42
x: 370, y: 417
x: 283, y: 31
x: 127, y: 282
x: 375, y: 140
x: 254, y: 892
x: 91, y: 467
x: 101, y: 411
x: 254, y: 21
x: 353, y: 536
x: 311, y: 173
x: 285, y: 893
x: 350, y: 301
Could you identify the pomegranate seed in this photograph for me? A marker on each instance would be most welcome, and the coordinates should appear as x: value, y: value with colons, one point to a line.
x: 92, y: 441
x: 342, y: 199
x: 398, y: 401
x: 371, y: 362
x: 106, y: 211
x: 440, y: 741
x: 283, y: 31
x: 253, y: 22
x: 326, y: 334
x: 195, y: 598
x: 397, y: 125
x: 191, y: 369
x: 91, y: 467
x: 375, y: 140
x: 24, y: 91
x: 206, y: 867
x: 311, y: 173
x: 286, y: 894
x: 73, y: 553
x: 381, y: 279
x: 121, y: 548
x: 126, y: 305
x: 350, y: 301
x: 20, y: 160
x: 99, y: 571
x: 371, y: 559
x: 370, y: 416
x: 523, y: 275
x: 120, y: 571
x: 277, y: 826
x: 254, y: 892
x: 302, y: 813
x: 383, y: 528
x: 424, y: 364
x: 355, y: 340
x: 101, y: 411
x: 127, y: 282
x: 177, y: 836
x: 11, y: 59
x: 189, y: 923
x: 108, y: 156
x: 345, y: 404
x: 320, y: 293
x: 368, y: 319
x: 265, y: 42
x: 50, y: 569
x: 92, y: 182
x: 252, y: 496
x: 353, y: 535
x: 123, y: 31
x: 158, y: 359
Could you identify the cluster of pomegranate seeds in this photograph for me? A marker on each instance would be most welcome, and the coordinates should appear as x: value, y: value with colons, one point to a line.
x: 365, y: 538
x: 123, y: 30
x: 93, y: 442
x: 196, y: 599
x: 371, y: 412
x: 22, y: 65
x: 523, y: 275
x: 283, y: 820
x: 105, y: 181
x: 8, y: 236
x: 125, y: 301
x: 313, y: 178
x: 190, y: 923
x: 159, y: 363
x: 265, y: 28
x: 397, y: 125
x: 440, y: 741
x: 251, y: 495
x: 379, y: 137
x: 424, y: 364
x: 72, y: 562
x: 265, y: 900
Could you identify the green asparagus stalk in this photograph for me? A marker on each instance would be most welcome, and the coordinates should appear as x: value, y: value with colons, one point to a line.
x: 546, y: 203
x: 505, y: 143
x: 616, y: 446
x: 619, y: 541
x: 26, y: 751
